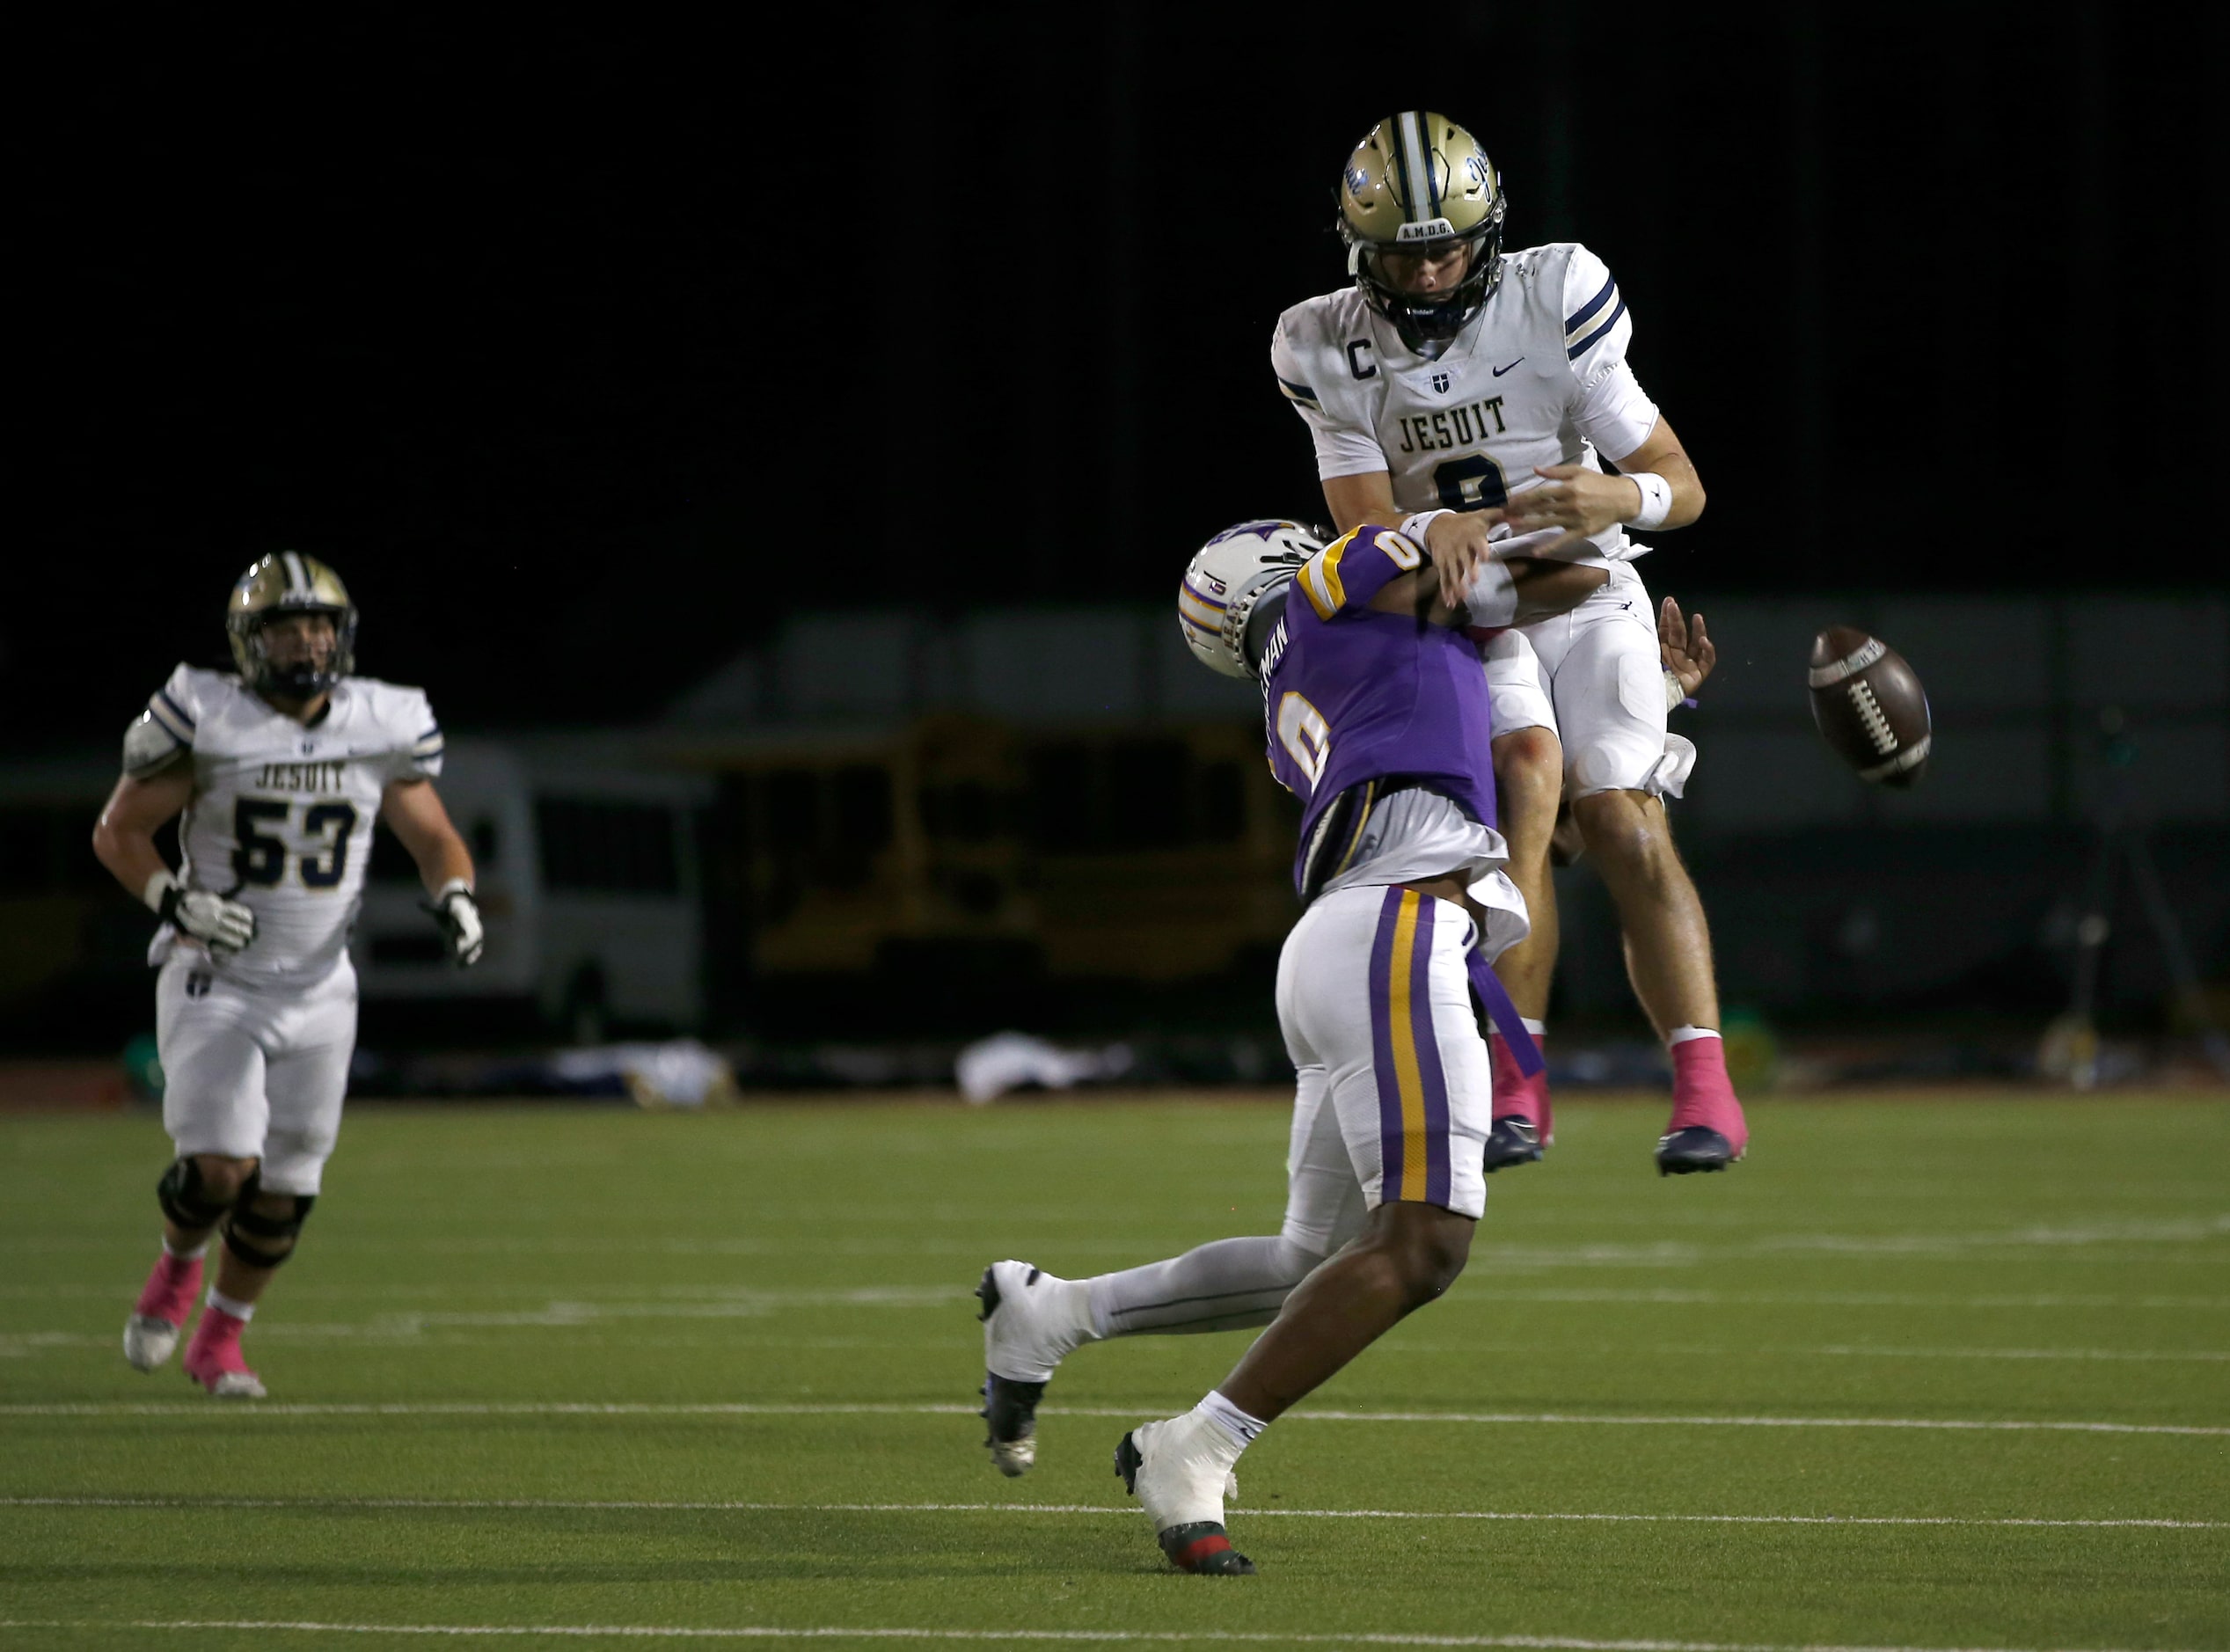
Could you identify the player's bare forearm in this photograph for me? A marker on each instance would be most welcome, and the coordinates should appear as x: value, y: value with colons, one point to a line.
x: 1662, y: 454
x: 1416, y: 594
x: 1546, y: 587
x: 1585, y: 503
x: 1354, y: 500
x: 414, y: 811
x: 124, y: 835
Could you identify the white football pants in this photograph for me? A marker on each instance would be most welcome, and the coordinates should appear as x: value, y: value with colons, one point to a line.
x: 252, y: 1073
x: 1394, y: 1093
x: 1595, y: 677
x: 1392, y: 1102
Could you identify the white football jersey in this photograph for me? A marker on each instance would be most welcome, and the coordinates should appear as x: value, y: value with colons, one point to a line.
x: 282, y: 816
x: 1537, y: 378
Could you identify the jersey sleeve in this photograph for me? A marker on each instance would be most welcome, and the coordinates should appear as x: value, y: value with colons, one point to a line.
x: 1344, y: 446
x: 164, y: 731
x: 1347, y: 573
x: 1616, y: 414
x: 1596, y: 327
x: 1611, y: 410
x: 417, y: 754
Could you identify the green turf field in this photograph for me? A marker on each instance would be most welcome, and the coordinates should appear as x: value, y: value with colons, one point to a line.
x: 1919, y: 1374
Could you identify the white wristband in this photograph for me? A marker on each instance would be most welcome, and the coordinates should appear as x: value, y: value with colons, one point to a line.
x: 1675, y: 696
x: 455, y: 886
x: 1414, y: 527
x: 1656, y: 500
x: 1492, y: 600
x: 158, y: 886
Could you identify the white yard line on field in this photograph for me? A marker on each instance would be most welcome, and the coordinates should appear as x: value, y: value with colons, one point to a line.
x: 1863, y: 1351
x: 1466, y: 1294
x: 1846, y: 1350
x: 583, y: 1316
x: 1496, y: 1294
x: 726, y: 1506
x: 1656, y: 1254
x: 840, y: 1631
x: 208, y: 1410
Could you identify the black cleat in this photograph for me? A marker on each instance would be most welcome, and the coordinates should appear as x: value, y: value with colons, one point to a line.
x: 1512, y: 1141
x: 1127, y: 1463
x: 1010, y: 1407
x: 1694, y: 1148
x: 1010, y: 1416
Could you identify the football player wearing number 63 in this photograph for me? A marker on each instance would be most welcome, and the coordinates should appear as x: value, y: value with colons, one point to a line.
x: 1471, y: 395
x: 276, y: 774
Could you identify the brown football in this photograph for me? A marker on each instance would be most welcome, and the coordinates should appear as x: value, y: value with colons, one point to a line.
x: 1869, y: 706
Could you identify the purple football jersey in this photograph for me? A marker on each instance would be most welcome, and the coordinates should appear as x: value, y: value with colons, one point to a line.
x: 1351, y: 695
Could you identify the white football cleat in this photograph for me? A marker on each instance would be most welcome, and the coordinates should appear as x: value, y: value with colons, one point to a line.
x: 1029, y: 1328
x: 149, y: 1341
x: 234, y: 1385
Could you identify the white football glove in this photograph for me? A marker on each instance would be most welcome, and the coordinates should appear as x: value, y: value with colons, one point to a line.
x: 458, y: 914
x: 222, y: 926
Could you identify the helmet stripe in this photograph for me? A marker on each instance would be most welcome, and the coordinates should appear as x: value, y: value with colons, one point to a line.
x: 1400, y: 158
x: 1424, y: 202
x: 298, y: 576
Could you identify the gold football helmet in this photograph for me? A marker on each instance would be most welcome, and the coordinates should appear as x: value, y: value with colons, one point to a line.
x: 1419, y: 184
x: 289, y: 583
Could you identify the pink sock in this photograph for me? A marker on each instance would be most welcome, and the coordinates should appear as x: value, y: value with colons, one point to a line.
x: 216, y: 1342
x: 1703, y: 1094
x: 1516, y: 1095
x: 170, y: 1289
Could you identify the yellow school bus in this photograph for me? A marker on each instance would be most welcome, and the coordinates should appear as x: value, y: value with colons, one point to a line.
x: 1152, y: 854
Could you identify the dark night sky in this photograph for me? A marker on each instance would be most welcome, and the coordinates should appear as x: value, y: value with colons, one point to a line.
x: 584, y: 351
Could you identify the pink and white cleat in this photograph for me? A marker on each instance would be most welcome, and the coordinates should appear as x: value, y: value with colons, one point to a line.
x: 158, y: 1318
x: 212, y: 1358
x: 1707, y: 1130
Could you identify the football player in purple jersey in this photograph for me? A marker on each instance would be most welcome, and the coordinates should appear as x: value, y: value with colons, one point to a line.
x: 1378, y: 717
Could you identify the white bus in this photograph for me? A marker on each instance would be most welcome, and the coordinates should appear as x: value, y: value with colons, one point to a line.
x: 589, y: 881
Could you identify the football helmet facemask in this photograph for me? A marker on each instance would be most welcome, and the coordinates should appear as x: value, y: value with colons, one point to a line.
x: 1419, y: 185
x: 1226, y: 582
x: 274, y: 588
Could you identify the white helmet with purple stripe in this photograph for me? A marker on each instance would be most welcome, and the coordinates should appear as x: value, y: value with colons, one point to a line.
x: 1226, y: 581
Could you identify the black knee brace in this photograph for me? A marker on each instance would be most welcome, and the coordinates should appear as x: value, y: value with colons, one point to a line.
x: 186, y: 1197
x: 260, y: 1240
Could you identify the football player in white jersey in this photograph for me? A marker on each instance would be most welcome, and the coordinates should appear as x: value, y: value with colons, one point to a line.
x: 275, y: 775
x: 1470, y: 396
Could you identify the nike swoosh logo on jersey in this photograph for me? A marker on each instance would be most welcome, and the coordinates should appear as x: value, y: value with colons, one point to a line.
x: 1501, y: 370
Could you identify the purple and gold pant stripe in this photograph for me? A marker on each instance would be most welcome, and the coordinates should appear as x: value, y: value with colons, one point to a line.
x: 1405, y: 1056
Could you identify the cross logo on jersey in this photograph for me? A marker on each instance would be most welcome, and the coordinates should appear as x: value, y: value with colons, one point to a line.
x: 1440, y: 384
